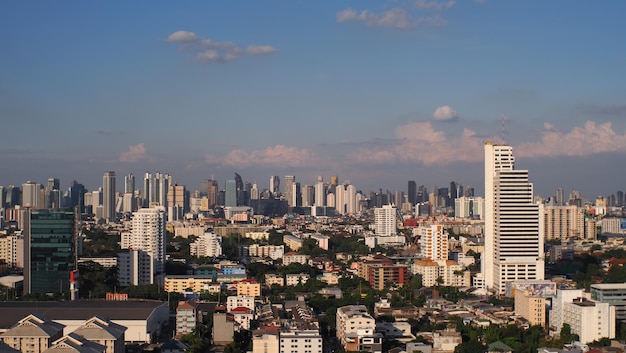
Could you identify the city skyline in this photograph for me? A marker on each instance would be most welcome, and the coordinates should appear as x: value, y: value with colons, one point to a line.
x: 376, y: 93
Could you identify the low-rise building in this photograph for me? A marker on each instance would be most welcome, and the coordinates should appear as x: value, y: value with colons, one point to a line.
x: 250, y: 288
x: 33, y: 334
x: 74, y: 343
x: 233, y: 302
x: 188, y: 283
x: 590, y: 320
x: 187, y: 317
x: 356, y: 329
x: 293, y: 279
x: 272, y: 279
x: 440, y: 272
x: 531, y: 307
x: 300, y: 341
x: 292, y: 242
x: 294, y: 257
x: 104, y: 332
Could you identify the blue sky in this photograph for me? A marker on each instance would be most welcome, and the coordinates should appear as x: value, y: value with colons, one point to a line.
x: 376, y: 92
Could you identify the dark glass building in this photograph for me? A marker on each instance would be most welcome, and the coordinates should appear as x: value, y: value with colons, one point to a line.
x: 50, y: 251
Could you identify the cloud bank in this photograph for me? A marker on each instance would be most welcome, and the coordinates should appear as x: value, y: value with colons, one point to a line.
x: 420, y: 142
x: 278, y: 155
x: 133, y: 154
x: 590, y: 139
x: 401, y: 18
x: 208, y: 50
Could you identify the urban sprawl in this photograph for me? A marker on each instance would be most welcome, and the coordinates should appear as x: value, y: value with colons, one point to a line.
x: 294, y: 268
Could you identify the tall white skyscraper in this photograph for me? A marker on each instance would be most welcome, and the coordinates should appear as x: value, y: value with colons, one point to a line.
x: 274, y: 186
x: 351, y: 202
x: 513, y: 242
x: 433, y: 242
x: 31, y: 195
x: 385, y: 220
x: 320, y: 192
x: 129, y: 184
x: 340, y: 199
x: 148, y: 234
x: 108, y: 196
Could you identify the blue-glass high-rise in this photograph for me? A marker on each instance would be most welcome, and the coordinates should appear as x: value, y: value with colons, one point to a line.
x: 50, y: 250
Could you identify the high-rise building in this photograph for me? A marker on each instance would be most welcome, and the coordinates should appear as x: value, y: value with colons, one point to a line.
x: 49, y: 245
x: 52, y: 195
x: 560, y: 197
x: 563, y: 223
x: 513, y: 242
x: 433, y: 242
x: 178, y: 202
x: 412, y: 191
x: 108, y: 196
x: 254, y: 192
x: 320, y: 192
x: 77, y: 196
x: 351, y: 199
x: 296, y: 195
x: 148, y: 235
x: 308, y: 196
x: 213, y: 190
x: 231, y: 194
x: 129, y: 184
x: 289, y: 181
x: 274, y: 186
x: 385, y: 220
x: 3, y: 196
x: 31, y: 195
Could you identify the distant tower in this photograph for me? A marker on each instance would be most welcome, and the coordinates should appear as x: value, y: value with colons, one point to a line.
x: 231, y: 193
x: 274, y: 186
x: 560, y: 197
x: 108, y: 196
x: 289, y: 182
x: 129, y: 184
x: 320, y: 192
x: 31, y: 195
x: 412, y: 191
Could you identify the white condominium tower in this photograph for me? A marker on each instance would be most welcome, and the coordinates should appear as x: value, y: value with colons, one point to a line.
x: 385, y: 220
x: 148, y: 234
x: 513, y: 243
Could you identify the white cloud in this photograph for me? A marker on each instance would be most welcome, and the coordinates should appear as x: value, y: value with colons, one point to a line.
x: 182, y: 36
x: 395, y: 18
x: 278, y: 155
x: 133, y: 154
x: 260, y: 49
x: 445, y: 113
x: 208, y: 55
x: 420, y: 142
x: 208, y: 50
x: 434, y: 5
x: 592, y: 138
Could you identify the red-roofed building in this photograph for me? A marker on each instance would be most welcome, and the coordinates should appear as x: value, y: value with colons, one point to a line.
x: 243, y: 316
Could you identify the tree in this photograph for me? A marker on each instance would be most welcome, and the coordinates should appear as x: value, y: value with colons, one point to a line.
x: 566, y: 334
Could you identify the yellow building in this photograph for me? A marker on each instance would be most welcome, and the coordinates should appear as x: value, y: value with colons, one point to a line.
x: 185, y: 283
x: 250, y: 288
x: 532, y: 308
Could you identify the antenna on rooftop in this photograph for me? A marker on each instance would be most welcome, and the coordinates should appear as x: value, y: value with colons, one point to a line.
x: 503, y: 132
